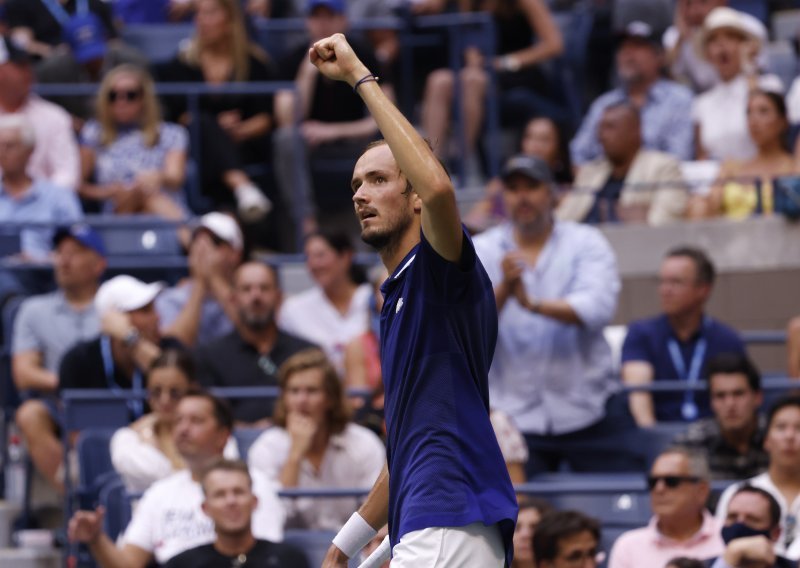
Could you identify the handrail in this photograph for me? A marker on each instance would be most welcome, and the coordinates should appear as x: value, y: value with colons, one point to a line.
x: 170, y: 88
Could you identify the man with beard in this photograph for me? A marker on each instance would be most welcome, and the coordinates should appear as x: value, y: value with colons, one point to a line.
x: 170, y: 518
x: 663, y: 104
x: 250, y: 355
x: 556, y: 286
x: 445, y: 492
x: 229, y: 501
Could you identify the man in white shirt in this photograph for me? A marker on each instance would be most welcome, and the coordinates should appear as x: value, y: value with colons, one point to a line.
x: 169, y: 518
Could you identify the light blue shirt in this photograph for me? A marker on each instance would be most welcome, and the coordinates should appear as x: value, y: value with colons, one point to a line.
x: 213, y: 323
x: 553, y: 377
x: 42, y: 203
x: 666, y: 122
x: 49, y: 326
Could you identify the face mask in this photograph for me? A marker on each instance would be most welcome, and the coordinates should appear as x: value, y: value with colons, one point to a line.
x: 740, y: 530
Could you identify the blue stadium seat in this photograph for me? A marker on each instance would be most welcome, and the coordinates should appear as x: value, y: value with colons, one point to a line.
x: 114, y: 498
x: 10, y: 242
x: 314, y: 544
x: 137, y: 235
x: 94, y: 462
x: 158, y: 42
x: 244, y: 439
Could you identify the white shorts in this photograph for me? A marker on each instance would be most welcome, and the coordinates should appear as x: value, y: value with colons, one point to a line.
x: 451, y: 547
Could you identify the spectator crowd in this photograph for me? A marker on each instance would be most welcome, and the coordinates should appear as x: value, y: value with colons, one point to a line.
x: 236, y: 144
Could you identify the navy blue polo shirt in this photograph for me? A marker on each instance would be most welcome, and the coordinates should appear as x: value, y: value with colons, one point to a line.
x: 438, y: 334
x: 647, y: 340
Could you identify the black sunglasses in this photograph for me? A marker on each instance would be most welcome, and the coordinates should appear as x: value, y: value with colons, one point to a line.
x: 671, y: 481
x: 114, y: 96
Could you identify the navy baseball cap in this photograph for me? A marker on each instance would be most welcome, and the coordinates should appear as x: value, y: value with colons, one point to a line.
x: 86, y: 37
x: 528, y: 166
x: 641, y: 32
x: 335, y: 6
x: 84, y: 234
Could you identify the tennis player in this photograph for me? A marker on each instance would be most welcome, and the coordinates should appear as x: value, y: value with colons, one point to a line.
x: 446, y: 492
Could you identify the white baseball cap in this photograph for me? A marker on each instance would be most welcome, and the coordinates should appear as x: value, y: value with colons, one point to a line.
x: 724, y: 17
x: 224, y: 227
x: 125, y: 294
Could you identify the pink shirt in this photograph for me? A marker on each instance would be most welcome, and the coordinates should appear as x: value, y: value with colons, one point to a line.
x: 55, y: 157
x: 648, y: 547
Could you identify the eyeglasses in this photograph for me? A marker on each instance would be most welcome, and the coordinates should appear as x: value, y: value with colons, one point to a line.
x: 128, y: 95
x: 671, y: 481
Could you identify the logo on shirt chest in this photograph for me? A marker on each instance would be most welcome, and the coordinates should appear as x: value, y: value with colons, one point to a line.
x: 398, y: 305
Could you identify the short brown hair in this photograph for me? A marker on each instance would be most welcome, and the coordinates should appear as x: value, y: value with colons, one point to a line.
x: 339, y: 412
x: 223, y: 464
x: 220, y: 407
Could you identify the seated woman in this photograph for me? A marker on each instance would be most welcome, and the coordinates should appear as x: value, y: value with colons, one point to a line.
x: 531, y: 511
x: 543, y: 138
x: 335, y: 310
x: 735, y: 193
x: 314, y: 443
x: 524, y: 90
x: 145, y: 452
x: 131, y: 160
x: 731, y: 42
x: 233, y: 127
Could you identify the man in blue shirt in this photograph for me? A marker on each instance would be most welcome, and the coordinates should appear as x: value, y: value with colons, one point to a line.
x: 446, y: 492
x: 678, y: 343
x: 663, y: 104
x: 556, y: 285
x: 24, y: 199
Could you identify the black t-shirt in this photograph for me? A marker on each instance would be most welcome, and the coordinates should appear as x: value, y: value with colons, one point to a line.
x: 333, y: 101
x: 179, y: 71
x: 230, y: 362
x: 46, y: 28
x: 264, y: 554
x: 83, y: 367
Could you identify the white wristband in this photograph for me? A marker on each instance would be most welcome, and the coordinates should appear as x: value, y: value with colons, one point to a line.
x: 354, y: 535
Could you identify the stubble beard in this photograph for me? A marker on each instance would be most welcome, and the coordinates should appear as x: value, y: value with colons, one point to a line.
x: 386, y: 241
x: 256, y: 322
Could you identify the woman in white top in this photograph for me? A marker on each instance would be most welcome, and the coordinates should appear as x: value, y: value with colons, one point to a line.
x: 731, y: 43
x: 145, y: 452
x: 333, y: 312
x: 315, y: 445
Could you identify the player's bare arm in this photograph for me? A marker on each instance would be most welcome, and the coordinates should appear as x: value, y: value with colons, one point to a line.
x: 441, y: 223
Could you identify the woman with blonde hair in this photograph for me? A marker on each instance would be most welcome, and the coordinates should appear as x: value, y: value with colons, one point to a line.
x: 233, y: 127
x: 314, y: 444
x: 131, y: 160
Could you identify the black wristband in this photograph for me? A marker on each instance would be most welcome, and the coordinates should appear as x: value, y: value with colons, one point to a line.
x: 365, y: 79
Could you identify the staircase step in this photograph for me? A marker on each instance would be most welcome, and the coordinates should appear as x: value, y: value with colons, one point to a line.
x: 30, y: 558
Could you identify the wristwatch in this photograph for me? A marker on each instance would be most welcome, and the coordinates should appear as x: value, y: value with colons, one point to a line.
x: 510, y: 63
x: 131, y: 338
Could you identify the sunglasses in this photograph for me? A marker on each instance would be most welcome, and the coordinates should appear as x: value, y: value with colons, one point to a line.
x: 671, y: 481
x: 114, y: 96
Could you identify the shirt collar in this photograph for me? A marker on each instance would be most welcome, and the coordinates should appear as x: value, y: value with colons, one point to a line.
x: 707, y: 530
x: 704, y: 323
x: 391, y: 282
x: 31, y: 194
